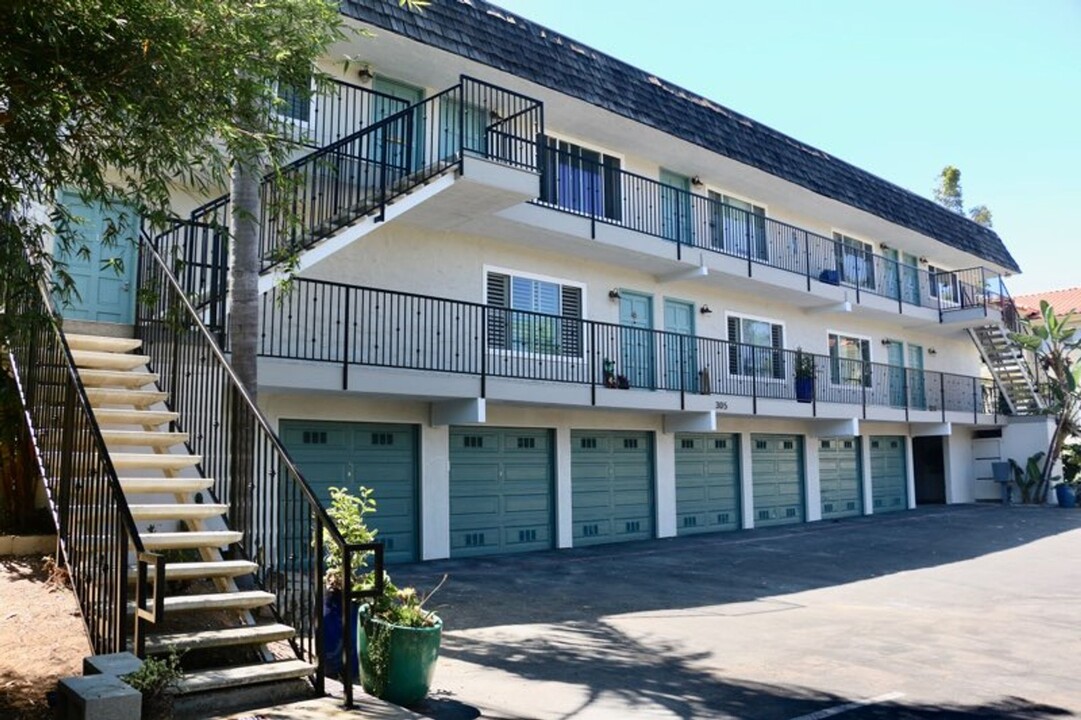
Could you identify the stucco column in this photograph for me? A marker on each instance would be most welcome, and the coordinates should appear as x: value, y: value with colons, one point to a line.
x: 664, y: 463
x: 866, y: 481
x: 812, y: 485
x: 564, y: 496
x: 746, y: 480
x: 435, y: 492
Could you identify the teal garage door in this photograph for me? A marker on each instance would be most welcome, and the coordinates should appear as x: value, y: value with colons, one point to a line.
x: 889, y: 479
x: 350, y: 455
x: 839, y: 478
x: 501, y: 490
x: 707, y: 483
x: 611, y: 486
x: 777, y: 472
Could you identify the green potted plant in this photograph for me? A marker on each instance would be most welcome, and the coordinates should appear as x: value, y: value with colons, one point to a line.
x: 805, y: 376
x: 397, y: 641
x: 1066, y: 491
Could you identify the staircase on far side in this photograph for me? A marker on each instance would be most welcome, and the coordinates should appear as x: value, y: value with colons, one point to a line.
x: 1007, y: 364
x: 214, y: 615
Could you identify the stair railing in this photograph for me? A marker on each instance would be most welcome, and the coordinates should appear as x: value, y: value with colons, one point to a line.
x: 97, y: 536
x: 270, y: 502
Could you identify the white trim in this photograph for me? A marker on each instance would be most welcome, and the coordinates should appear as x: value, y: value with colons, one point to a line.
x: 736, y: 196
x: 587, y: 145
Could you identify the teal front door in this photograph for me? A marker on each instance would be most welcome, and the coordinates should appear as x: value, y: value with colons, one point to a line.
x: 463, y: 127
x: 611, y: 486
x: 839, y: 478
x: 501, y: 490
x: 681, y: 366
x: 917, y: 393
x: 910, y: 279
x: 889, y: 482
x: 895, y: 352
x: 707, y: 483
x: 394, y: 142
x: 382, y: 457
x: 636, y: 339
x: 675, y: 206
x: 103, y: 275
x: 891, y: 280
x: 777, y: 476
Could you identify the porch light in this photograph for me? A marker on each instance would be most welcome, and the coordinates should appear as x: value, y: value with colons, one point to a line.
x: 613, y: 294
x: 365, y: 73
x: 495, y: 115
x: 883, y: 246
x: 697, y: 181
x: 932, y: 351
x: 705, y: 310
x: 887, y: 341
x: 923, y: 261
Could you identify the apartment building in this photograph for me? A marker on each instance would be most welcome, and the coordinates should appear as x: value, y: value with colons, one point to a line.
x: 544, y: 299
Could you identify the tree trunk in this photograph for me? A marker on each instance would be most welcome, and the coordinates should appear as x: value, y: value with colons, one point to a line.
x: 244, y: 270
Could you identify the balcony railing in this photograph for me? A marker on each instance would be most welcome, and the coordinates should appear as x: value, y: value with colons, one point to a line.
x: 360, y: 326
x: 611, y: 196
x: 332, y: 111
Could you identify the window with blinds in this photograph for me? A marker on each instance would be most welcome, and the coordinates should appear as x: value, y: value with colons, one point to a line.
x: 850, y: 360
x: 582, y: 180
x: 856, y: 261
x: 757, y: 348
x: 538, y: 316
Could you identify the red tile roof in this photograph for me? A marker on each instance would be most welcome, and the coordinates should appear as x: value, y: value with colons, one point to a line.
x: 1063, y: 301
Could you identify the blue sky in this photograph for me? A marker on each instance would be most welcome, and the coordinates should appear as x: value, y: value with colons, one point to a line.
x: 898, y: 88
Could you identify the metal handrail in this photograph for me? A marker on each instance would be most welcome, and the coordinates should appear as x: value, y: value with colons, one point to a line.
x: 96, y: 530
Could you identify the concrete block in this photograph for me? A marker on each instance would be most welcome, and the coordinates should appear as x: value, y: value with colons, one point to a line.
x: 99, y: 697
x: 115, y: 664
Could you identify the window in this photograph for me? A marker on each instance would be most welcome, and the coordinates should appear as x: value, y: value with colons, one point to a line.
x: 850, y: 360
x: 293, y: 101
x: 582, y: 180
x: 738, y: 227
x: 542, y: 315
x: 856, y: 261
x: 756, y: 347
x: 943, y: 284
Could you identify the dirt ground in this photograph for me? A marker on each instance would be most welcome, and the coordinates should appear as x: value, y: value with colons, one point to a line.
x: 41, y: 637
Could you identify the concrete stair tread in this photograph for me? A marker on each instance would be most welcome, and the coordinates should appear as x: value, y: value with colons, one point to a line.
x: 102, y: 343
x: 240, y: 600
x: 155, y: 485
x: 176, y: 511
x: 99, y: 360
x: 244, y: 635
x: 115, y: 396
x: 149, y: 418
x: 154, y: 461
x: 222, y: 678
x: 144, y: 438
x: 117, y: 378
x: 190, y: 539
x: 204, y: 569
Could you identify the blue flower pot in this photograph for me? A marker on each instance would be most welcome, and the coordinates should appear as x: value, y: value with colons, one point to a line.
x: 1066, y: 496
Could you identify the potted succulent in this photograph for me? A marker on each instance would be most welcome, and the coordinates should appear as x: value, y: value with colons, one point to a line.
x: 805, y: 376
x: 397, y: 640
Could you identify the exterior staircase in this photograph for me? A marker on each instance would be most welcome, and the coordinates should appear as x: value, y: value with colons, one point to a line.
x: 213, y: 614
x: 1007, y: 364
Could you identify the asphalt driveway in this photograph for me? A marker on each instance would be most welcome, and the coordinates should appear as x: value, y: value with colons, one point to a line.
x: 960, y: 612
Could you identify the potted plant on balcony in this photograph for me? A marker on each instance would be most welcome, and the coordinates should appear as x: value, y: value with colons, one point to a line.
x: 805, y: 376
x: 397, y: 640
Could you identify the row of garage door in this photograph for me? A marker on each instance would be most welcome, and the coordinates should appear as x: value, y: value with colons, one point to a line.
x: 502, y: 482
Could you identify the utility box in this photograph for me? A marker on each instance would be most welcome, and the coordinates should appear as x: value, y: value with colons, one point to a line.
x: 1003, y: 474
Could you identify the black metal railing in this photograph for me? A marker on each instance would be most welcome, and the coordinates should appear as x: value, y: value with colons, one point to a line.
x: 317, y: 195
x: 350, y: 325
x: 99, y: 541
x: 331, y: 111
x: 608, y: 195
x: 270, y: 502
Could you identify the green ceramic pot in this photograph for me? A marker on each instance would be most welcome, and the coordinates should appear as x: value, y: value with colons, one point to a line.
x: 412, y: 654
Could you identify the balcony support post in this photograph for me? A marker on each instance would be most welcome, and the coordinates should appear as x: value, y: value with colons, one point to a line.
x: 942, y: 394
x: 345, y: 341
x: 807, y: 259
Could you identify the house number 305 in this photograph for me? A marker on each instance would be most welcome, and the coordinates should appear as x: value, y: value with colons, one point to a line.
x: 721, y: 405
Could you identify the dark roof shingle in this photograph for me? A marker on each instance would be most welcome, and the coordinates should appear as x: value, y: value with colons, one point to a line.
x: 495, y: 37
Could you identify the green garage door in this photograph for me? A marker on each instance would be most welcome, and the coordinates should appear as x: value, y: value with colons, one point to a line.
x: 839, y: 478
x: 381, y: 457
x: 707, y: 483
x: 889, y: 481
x: 611, y: 486
x: 777, y: 471
x: 500, y: 490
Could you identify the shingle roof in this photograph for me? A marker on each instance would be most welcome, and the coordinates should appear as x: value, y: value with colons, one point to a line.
x: 1063, y: 301
x: 495, y: 37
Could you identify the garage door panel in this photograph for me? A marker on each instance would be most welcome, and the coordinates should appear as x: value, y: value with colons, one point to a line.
x: 707, y: 483
x: 379, y: 456
x: 777, y: 472
x: 889, y: 480
x: 537, y: 503
x: 839, y: 478
x: 612, y: 486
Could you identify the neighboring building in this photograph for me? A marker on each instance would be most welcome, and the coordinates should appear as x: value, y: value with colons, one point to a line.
x: 546, y: 299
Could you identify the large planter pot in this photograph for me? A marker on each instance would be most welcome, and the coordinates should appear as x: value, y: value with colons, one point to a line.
x: 1066, y: 496
x: 396, y: 663
x: 805, y: 389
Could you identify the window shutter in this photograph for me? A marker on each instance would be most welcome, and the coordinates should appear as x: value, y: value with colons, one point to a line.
x: 777, y: 340
x: 865, y: 353
x: 498, y: 321
x: 613, y: 189
x: 733, y: 349
x: 571, y: 332
x: 550, y: 171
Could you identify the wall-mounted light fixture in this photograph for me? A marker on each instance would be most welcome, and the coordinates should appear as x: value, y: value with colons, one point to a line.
x: 364, y: 72
x: 613, y: 294
x: 705, y: 310
x: 495, y: 115
x: 923, y: 261
x: 932, y: 351
x: 697, y: 181
x: 883, y: 246
x: 887, y: 341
